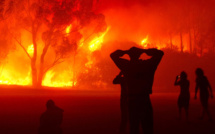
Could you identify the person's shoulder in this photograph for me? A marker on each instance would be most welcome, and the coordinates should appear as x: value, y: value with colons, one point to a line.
x: 205, y: 77
x: 44, y: 115
x: 59, y: 109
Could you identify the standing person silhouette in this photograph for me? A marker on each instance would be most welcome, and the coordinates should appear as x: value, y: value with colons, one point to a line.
x: 120, y: 79
x: 184, y: 97
x: 139, y: 75
x: 204, y: 86
x: 51, y: 119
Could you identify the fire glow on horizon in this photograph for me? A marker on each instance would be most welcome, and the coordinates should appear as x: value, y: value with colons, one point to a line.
x: 146, y: 26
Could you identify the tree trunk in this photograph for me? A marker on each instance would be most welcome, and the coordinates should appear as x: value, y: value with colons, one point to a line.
x: 34, y: 73
x: 41, y: 71
x: 201, y: 47
x: 171, y: 41
x: 74, y: 73
x: 190, y: 37
x: 195, y: 41
x: 181, y: 38
x: 34, y: 58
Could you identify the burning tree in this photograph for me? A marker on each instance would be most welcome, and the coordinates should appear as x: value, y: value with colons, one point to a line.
x: 59, y: 26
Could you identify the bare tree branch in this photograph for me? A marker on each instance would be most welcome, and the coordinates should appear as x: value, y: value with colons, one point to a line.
x: 56, y: 62
x: 20, y: 44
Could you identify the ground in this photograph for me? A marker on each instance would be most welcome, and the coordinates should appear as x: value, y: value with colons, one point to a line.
x: 94, y: 112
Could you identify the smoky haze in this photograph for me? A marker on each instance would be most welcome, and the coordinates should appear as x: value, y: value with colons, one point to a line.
x: 133, y: 20
x: 183, y: 29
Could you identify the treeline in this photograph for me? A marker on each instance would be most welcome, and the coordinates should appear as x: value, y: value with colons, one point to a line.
x: 171, y: 65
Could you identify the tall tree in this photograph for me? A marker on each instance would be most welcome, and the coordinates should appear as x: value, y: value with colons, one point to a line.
x: 58, y: 23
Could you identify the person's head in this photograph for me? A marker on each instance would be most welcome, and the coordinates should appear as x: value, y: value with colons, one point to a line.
x: 134, y: 53
x: 199, y: 72
x: 183, y: 75
x: 50, y: 104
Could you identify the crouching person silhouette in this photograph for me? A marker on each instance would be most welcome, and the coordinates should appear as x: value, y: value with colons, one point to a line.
x: 51, y: 119
x: 139, y: 75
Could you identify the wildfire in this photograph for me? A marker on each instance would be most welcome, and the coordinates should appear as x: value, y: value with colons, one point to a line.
x: 144, y: 42
x: 73, y: 30
x: 89, y: 64
x: 7, y: 77
x: 30, y: 49
x: 68, y: 29
x: 62, y: 81
x: 95, y: 44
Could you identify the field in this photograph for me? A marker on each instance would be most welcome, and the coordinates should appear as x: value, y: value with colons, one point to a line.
x: 93, y: 112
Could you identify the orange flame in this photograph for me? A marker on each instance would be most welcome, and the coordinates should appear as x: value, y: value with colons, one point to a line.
x: 30, y: 49
x: 68, y: 29
x: 144, y: 42
x: 95, y: 44
x: 62, y: 81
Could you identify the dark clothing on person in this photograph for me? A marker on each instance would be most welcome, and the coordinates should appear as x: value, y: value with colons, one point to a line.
x: 124, y: 91
x: 123, y: 101
x: 184, y: 97
x: 140, y: 113
x: 204, y: 86
x: 139, y: 75
x: 183, y: 102
x: 202, y: 83
x: 50, y: 121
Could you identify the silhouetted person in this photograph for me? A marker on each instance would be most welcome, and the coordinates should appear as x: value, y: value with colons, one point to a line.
x: 123, y: 100
x: 184, y: 97
x: 139, y: 75
x: 51, y: 119
x: 204, y: 86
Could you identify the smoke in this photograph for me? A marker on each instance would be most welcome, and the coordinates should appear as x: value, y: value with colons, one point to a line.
x: 164, y: 23
x: 133, y: 20
x: 160, y: 20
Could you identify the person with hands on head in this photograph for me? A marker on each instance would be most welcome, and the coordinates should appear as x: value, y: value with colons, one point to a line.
x: 139, y: 75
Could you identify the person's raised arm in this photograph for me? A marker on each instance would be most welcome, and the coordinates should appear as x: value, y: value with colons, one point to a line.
x: 116, y: 57
x: 117, y: 54
x: 155, y: 53
x: 176, y: 81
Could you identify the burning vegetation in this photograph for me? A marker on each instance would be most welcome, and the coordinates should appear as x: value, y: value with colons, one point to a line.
x: 66, y: 43
x: 45, y: 34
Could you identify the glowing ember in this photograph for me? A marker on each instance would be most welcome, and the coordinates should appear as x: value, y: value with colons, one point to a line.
x: 95, y: 44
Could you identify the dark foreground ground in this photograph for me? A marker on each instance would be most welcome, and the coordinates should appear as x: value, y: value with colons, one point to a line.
x: 93, y: 112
